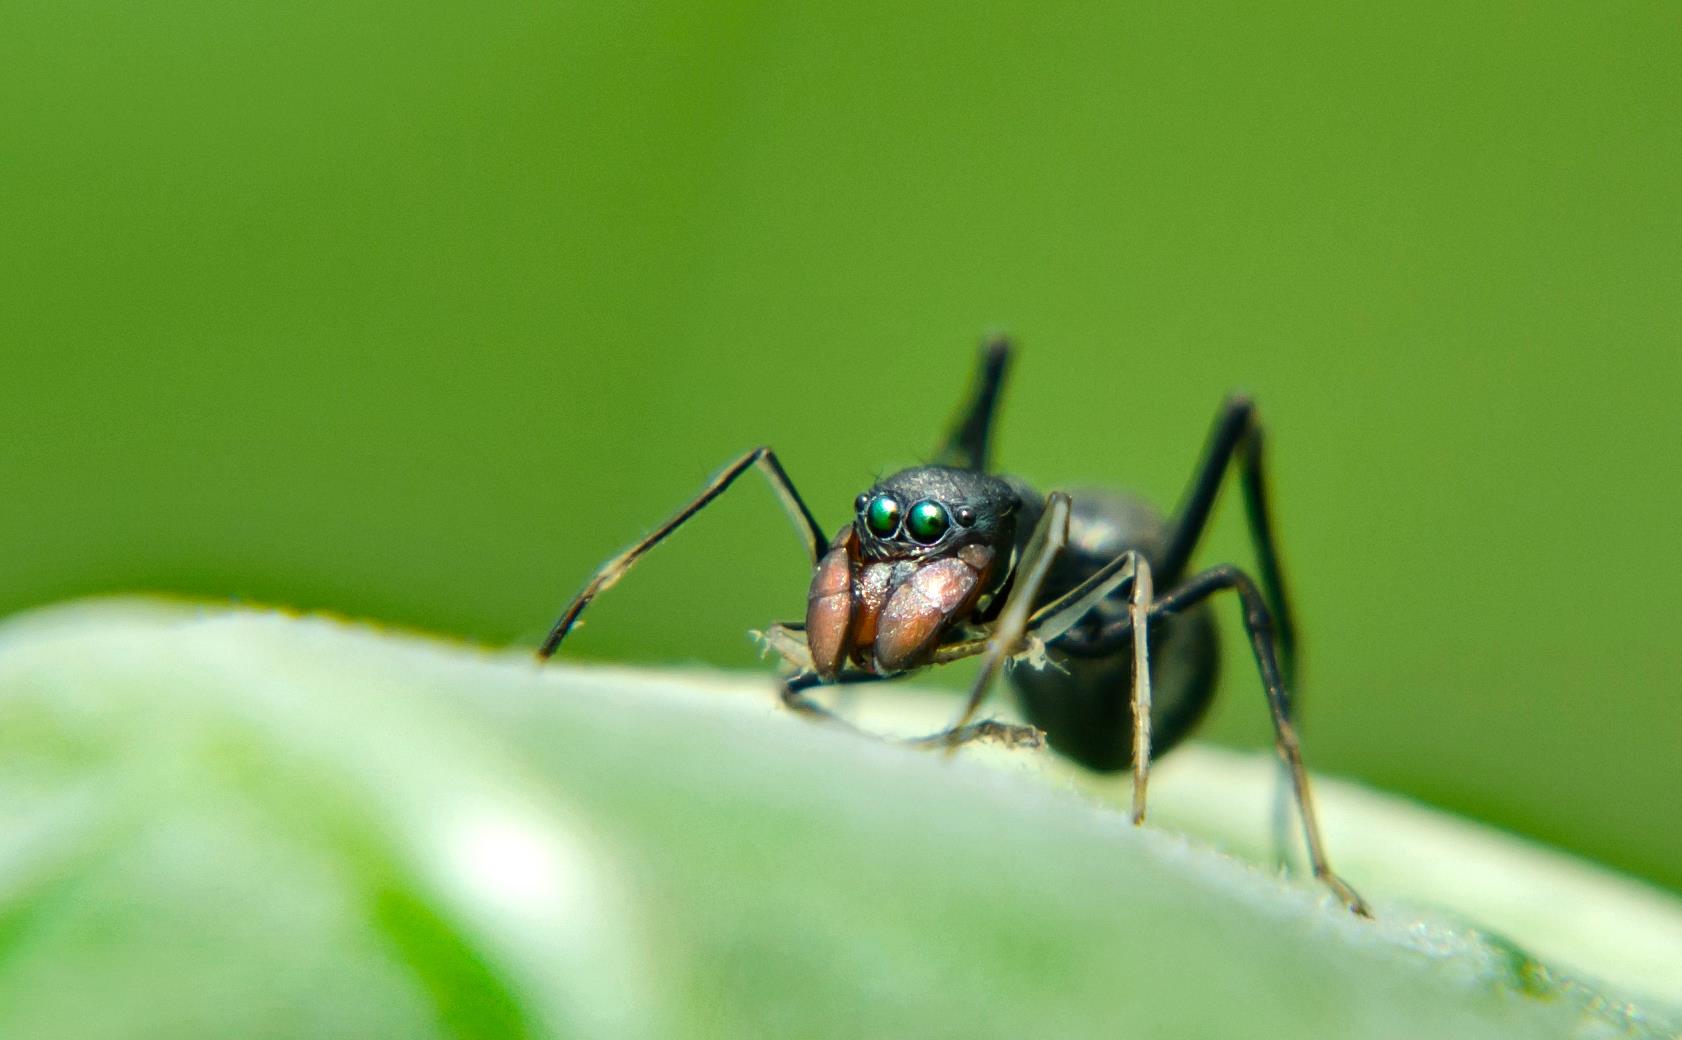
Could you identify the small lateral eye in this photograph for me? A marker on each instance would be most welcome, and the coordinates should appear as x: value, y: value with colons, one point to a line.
x: 860, y: 502
x: 927, y: 521
x: 964, y: 515
x: 882, y: 516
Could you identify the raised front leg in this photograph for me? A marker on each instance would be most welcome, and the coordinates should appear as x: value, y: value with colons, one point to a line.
x: 614, y: 569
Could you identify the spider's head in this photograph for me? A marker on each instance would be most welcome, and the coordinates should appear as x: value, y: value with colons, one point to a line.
x: 925, y: 545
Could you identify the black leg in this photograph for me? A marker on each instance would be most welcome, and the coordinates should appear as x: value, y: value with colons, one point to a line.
x: 614, y: 569
x: 793, y: 694
x: 795, y: 699
x: 1259, y: 624
x: 967, y: 446
x: 1236, y: 434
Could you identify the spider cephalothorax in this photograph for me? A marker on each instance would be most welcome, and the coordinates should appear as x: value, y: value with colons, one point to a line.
x: 927, y: 548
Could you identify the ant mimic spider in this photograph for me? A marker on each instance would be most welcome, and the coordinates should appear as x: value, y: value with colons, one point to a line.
x: 950, y: 560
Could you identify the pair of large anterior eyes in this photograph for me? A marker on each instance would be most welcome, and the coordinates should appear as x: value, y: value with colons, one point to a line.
x: 926, y: 521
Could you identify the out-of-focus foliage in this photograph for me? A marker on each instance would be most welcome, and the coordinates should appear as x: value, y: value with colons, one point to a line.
x: 418, y: 312
x: 242, y: 824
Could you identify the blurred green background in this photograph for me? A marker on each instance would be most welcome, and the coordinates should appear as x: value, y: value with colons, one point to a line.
x: 419, y: 311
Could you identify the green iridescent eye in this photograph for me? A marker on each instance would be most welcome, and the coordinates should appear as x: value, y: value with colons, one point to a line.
x: 882, y: 516
x: 927, y: 521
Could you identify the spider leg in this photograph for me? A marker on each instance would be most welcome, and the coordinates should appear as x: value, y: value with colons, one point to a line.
x: 1138, y: 611
x: 611, y: 571
x: 1258, y: 623
x: 1129, y: 568
x: 1010, y: 735
x: 1237, y: 435
x: 1049, y: 537
x: 792, y: 693
x: 967, y: 444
